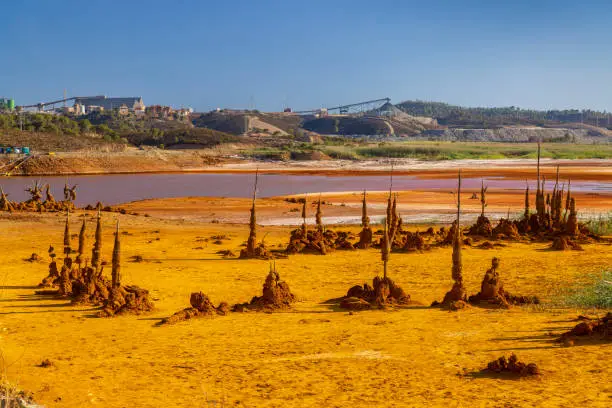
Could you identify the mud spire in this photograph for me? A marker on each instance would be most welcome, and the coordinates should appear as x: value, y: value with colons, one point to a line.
x: 304, y: 226
x: 526, y: 213
x: 116, y: 271
x: 252, y: 241
x: 79, y: 259
x: 390, y: 227
x: 319, y: 216
x: 539, y: 192
x: 389, y: 200
x: 97, y: 248
x: 365, y: 220
x: 67, y: 248
x: 483, y: 198
x: 365, y: 235
x: 5, y: 204
x: 568, y: 200
x: 457, y: 261
x: 458, y: 290
x: 571, y: 227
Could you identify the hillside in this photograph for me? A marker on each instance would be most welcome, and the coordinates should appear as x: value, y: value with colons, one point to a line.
x: 239, y: 122
x: 53, y: 142
x: 386, y: 120
x: 479, y: 117
x: 514, y: 134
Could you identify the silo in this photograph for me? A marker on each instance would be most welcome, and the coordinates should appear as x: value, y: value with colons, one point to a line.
x: 11, y: 104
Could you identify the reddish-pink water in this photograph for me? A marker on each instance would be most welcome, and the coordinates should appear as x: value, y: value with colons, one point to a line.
x: 121, y: 188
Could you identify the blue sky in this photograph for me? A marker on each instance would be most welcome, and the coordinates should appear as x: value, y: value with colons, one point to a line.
x: 308, y: 54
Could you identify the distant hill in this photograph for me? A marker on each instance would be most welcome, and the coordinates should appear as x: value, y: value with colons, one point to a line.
x: 485, y: 118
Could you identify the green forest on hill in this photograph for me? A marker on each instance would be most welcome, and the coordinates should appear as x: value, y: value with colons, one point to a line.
x: 453, y: 115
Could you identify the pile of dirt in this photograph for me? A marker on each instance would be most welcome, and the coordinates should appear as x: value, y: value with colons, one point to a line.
x: 276, y: 296
x: 365, y: 238
x: 590, y: 329
x: 342, y: 239
x: 456, y: 294
x: 447, y: 236
x: 512, y: 366
x: 412, y: 241
x: 311, y: 242
x: 227, y: 253
x: 492, y: 291
x: 564, y: 243
x: 201, y: 306
x: 482, y: 228
x: 506, y: 229
x: 486, y: 245
x: 383, y: 292
x: 126, y: 300
x: 259, y: 251
x: 455, y: 305
x: 365, y: 235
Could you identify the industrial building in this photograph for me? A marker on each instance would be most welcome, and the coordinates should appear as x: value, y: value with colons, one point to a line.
x: 7, y: 104
x: 101, y: 103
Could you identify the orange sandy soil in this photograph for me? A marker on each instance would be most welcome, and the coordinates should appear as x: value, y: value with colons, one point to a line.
x: 313, y: 356
x: 410, y: 205
x: 149, y: 160
x: 591, y: 169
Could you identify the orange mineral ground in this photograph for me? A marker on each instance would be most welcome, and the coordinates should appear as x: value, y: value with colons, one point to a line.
x: 345, y: 208
x: 312, y: 356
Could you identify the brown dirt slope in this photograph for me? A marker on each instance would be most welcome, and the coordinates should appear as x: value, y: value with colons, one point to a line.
x: 52, y: 142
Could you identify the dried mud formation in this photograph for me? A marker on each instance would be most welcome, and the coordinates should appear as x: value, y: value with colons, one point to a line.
x: 320, y: 240
x: 492, y: 291
x: 254, y: 250
x: 456, y: 298
x: 87, y: 285
x: 384, y: 291
x: 276, y: 296
x: 511, y: 366
x: 39, y: 203
x: 201, y: 306
x: 365, y: 235
x: 555, y: 219
x: 590, y: 329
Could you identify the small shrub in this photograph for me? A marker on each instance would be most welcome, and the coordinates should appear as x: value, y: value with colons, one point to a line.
x: 601, y: 225
x: 594, y: 294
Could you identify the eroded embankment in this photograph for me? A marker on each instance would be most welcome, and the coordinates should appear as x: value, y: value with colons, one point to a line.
x: 150, y: 160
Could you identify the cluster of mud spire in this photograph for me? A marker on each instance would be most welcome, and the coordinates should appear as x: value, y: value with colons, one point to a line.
x: 38, y: 201
x: 276, y: 296
x: 555, y: 218
x: 85, y: 283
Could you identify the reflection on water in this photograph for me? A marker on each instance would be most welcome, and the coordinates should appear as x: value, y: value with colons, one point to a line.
x: 121, y: 188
